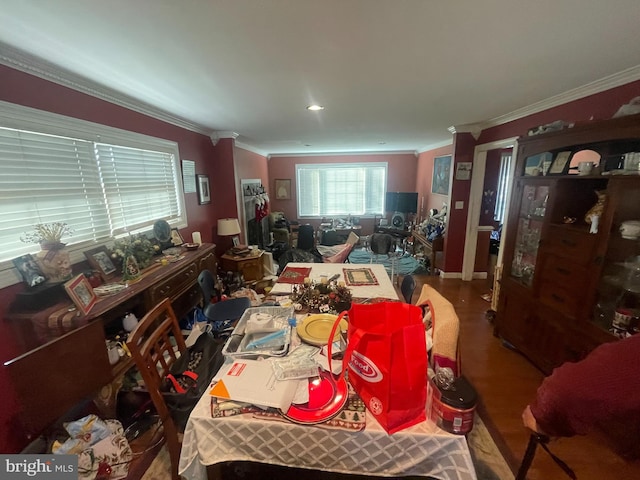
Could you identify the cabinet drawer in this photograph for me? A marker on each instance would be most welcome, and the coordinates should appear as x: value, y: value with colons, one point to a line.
x: 575, y: 244
x: 561, y: 271
x: 561, y: 298
x: 172, y: 286
x: 186, y: 301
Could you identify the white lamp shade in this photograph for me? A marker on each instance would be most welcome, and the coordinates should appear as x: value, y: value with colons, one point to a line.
x: 228, y: 226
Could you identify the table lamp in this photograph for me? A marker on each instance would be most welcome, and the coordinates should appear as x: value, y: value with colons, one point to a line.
x: 228, y: 227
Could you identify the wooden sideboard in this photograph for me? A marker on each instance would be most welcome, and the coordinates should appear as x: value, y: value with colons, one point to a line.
x: 65, y: 357
x: 429, y: 249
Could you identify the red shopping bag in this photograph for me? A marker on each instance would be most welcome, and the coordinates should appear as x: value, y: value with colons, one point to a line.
x: 387, y: 360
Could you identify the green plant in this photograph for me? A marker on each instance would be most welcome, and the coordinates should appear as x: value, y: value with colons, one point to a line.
x: 137, y: 245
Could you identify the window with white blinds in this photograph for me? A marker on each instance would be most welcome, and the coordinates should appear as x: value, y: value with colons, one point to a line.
x: 341, y: 189
x: 501, y: 194
x: 100, y: 188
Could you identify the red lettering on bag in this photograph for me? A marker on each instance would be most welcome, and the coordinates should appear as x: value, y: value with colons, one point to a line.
x: 365, y: 368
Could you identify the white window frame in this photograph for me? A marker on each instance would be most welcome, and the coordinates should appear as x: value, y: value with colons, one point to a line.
x: 25, y: 118
x: 325, y: 166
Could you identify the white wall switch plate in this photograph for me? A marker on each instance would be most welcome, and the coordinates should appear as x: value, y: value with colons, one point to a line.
x: 459, y: 205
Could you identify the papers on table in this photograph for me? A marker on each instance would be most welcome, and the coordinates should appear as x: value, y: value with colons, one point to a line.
x: 253, y: 381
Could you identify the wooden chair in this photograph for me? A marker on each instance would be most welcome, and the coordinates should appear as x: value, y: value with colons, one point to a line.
x: 153, y: 352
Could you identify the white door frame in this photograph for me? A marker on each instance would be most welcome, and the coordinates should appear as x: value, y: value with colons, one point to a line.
x: 475, y: 200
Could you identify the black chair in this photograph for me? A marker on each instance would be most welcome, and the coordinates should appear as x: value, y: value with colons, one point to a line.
x: 223, y: 314
x: 305, y: 237
x: 407, y: 288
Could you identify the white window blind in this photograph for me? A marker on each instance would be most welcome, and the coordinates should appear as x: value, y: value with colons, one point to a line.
x: 101, y: 181
x: 341, y: 189
x: 501, y: 194
x: 139, y: 185
x: 47, y: 179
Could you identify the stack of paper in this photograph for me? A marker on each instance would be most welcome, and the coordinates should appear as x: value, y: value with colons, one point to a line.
x: 253, y: 381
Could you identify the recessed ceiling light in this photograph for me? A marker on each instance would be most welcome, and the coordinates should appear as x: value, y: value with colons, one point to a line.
x: 315, y: 108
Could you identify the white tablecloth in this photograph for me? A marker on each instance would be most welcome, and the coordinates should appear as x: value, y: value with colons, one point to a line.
x: 423, y: 449
x: 384, y: 289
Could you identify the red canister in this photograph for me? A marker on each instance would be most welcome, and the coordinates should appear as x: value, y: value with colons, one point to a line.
x: 452, y: 410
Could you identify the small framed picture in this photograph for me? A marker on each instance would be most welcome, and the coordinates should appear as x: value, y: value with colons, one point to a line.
x: 236, y: 241
x: 176, y: 238
x: 560, y: 164
x: 99, y: 260
x: 81, y: 293
x: 29, y: 270
x: 283, y: 189
x: 463, y: 170
x: 204, y: 192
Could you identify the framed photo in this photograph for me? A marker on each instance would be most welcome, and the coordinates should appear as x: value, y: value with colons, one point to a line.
x: 29, y: 270
x: 100, y: 261
x: 463, y: 171
x: 441, y: 175
x: 81, y: 293
x: 283, y: 189
x: 176, y: 238
x: 560, y: 164
x: 537, y: 164
x: 204, y: 192
x: 236, y: 241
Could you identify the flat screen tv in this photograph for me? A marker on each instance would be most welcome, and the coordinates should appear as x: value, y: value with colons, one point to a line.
x: 403, y: 202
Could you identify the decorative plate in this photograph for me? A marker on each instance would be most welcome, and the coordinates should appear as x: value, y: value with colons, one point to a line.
x: 327, y: 397
x: 315, y: 329
x: 162, y: 231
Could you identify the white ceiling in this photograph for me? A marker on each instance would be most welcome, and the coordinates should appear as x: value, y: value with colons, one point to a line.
x: 392, y: 74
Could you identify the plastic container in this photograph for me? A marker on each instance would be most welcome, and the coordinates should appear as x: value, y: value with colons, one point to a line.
x: 234, y: 347
x: 452, y: 410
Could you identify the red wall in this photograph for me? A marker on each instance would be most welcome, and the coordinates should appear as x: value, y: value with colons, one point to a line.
x: 250, y: 165
x: 424, y: 177
x: 401, y: 178
x: 24, y: 89
x: 594, y: 107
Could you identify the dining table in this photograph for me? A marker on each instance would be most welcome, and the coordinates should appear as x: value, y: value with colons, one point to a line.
x: 333, y: 446
x: 365, y: 281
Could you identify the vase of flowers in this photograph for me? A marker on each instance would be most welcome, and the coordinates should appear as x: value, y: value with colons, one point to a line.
x: 53, y: 258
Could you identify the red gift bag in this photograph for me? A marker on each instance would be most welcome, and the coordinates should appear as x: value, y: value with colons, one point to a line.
x: 387, y: 360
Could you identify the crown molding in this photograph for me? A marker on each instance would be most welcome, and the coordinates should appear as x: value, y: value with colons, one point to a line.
x: 343, y: 153
x: 27, y: 63
x: 215, y: 136
x: 472, y: 128
x: 598, y: 86
x: 433, y: 146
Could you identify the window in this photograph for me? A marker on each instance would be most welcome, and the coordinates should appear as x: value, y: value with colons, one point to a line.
x: 101, y: 181
x: 501, y: 194
x: 341, y: 189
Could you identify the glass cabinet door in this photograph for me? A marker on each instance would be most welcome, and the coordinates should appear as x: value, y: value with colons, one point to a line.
x: 533, y: 205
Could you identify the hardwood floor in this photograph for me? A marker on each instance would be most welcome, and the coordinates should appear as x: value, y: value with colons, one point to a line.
x: 506, y: 382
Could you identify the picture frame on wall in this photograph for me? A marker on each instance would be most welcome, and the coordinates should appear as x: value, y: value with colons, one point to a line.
x: 283, y: 188
x: 100, y: 261
x: 80, y: 291
x: 441, y: 175
x: 204, y: 190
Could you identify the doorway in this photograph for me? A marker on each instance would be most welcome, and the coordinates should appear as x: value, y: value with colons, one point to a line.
x: 476, y: 195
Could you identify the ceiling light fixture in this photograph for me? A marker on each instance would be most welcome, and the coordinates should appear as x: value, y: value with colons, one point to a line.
x: 315, y: 108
